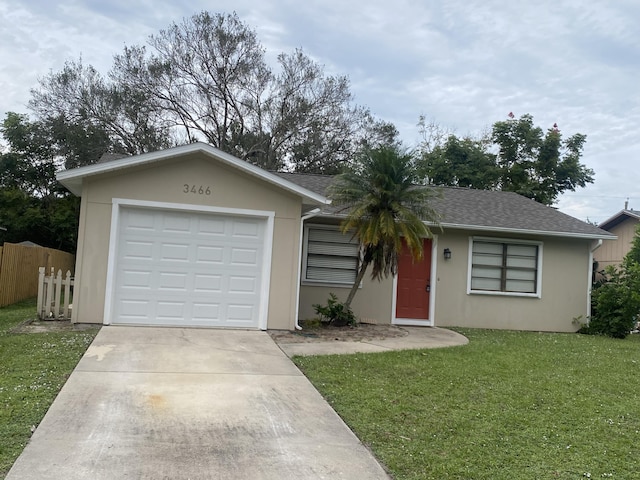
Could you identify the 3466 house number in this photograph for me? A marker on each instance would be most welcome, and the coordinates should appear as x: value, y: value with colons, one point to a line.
x: 196, y: 189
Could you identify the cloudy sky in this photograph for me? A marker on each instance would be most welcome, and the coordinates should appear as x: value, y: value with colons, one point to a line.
x: 462, y: 63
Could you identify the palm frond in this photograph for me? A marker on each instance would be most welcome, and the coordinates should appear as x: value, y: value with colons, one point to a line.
x: 384, y: 206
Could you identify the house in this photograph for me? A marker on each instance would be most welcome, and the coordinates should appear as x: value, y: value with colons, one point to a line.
x: 623, y: 225
x: 192, y: 236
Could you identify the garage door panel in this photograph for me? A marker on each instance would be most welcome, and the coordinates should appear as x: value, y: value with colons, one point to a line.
x: 139, y: 221
x: 242, y: 285
x: 172, y: 281
x: 136, y: 279
x: 244, y: 256
x: 240, y: 312
x: 175, y: 222
x: 188, y: 268
x: 173, y: 252
x: 207, y: 283
x: 206, y: 310
x: 209, y: 255
x: 245, y: 229
x: 135, y: 309
x: 136, y: 249
x: 211, y: 227
x: 168, y: 310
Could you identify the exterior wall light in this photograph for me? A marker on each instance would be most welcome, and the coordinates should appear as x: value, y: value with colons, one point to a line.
x: 447, y: 254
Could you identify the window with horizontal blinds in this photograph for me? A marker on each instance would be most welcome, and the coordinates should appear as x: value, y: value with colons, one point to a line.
x: 501, y: 266
x: 331, y: 256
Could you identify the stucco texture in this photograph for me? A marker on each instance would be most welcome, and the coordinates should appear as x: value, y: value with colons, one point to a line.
x: 165, y: 182
x: 564, y: 290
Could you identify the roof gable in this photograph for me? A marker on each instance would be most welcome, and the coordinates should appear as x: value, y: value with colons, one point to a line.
x: 618, y: 218
x: 73, y: 179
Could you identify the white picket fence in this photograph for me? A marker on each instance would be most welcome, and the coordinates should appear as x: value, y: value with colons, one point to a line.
x: 54, y: 295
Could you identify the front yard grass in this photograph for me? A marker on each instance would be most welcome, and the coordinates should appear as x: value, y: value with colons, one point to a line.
x: 510, y: 405
x: 33, y: 368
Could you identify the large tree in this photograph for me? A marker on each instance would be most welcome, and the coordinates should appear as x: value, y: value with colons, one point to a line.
x: 206, y: 79
x: 461, y: 162
x: 92, y: 115
x: 33, y: 206
x: 539, y: 165
x: 384, y: 208
x: 516, y: 156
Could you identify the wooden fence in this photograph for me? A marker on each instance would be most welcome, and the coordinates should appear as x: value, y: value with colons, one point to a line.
x: 19, y: 269
x: 54, y: 295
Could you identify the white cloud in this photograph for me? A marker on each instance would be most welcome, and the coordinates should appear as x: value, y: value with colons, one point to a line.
x: 464, y: 63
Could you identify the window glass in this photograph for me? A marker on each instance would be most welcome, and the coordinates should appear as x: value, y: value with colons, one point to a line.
x: 331, y: 256
x: 500, y: 266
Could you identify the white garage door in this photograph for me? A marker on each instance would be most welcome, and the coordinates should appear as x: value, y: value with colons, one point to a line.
x: 188, y: 269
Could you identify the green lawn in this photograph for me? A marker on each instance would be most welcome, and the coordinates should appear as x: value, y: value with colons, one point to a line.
x: 510, y: 405
x: 33, y: 368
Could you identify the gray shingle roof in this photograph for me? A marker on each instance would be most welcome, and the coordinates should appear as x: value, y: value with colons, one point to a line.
x: 483, y: 210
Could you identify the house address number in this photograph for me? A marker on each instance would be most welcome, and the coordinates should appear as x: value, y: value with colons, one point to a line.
x: 196, y: 189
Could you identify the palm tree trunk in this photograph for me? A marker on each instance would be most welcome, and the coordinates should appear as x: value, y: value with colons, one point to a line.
x: 356, y: 284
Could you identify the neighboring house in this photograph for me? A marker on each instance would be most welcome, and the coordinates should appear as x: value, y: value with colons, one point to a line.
x: 623, y: 225
x: 192, y: 236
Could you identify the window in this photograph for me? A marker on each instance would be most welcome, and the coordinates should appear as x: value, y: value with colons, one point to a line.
x: 505, y: 266
x: 331, y: 256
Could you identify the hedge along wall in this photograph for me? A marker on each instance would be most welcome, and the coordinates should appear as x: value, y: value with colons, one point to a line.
x: 19, y: 269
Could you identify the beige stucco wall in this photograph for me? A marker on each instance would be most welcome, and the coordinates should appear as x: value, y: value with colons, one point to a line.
x: 612, y: 252
x: 372, y: 303
x: 565, y: 285
x: 164, y: 182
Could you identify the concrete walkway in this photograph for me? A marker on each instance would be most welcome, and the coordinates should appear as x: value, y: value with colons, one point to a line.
x: 416, y: 338
x: 173, y: 403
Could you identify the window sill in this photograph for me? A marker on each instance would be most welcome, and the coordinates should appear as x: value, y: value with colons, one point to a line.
x: 315, y: 283
x: 504, y: 294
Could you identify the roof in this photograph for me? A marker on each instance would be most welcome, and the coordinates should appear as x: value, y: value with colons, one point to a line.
x: 73, y: 179
x: 484, y: 210
x: 460, y: 208
x: 618, y: 218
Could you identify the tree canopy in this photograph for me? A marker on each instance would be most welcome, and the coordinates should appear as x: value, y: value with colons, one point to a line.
x: 516, y: 156
x: 206, y: 78
x: 203, y: 79
x: 32, y: 205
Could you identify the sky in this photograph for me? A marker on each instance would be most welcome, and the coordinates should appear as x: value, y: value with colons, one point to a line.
x: 463, y: 64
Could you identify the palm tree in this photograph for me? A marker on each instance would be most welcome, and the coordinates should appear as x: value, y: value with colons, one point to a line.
x: 384, y: 206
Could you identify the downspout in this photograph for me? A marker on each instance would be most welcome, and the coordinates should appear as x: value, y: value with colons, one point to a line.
x: 309, y: 215
x: 596, y: 245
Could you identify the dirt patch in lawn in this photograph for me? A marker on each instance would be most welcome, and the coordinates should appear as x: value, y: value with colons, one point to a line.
x: 44, y: 326
x: 326, y: 333
x: 311, y: 332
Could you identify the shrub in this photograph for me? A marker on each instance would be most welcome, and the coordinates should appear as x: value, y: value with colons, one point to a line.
x: 615, y: 301
x: 613, y: 313
x: 335, y: 312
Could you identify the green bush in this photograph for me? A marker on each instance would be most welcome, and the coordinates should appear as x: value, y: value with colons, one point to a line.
x: 615, y: 301
x: 335, y: 312
x: 614, y: 307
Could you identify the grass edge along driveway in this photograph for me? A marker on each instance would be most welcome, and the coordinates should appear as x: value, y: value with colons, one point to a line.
x: 510, y: 405
x: 33, y: 369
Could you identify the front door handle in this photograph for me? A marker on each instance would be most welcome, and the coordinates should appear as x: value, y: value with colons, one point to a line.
x: 427, y: 287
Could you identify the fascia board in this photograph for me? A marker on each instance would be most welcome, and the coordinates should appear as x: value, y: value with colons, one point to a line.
x: 520, y: 231
x: 72, y: 179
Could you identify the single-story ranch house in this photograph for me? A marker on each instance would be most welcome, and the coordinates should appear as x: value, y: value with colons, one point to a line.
x: 192, y: 236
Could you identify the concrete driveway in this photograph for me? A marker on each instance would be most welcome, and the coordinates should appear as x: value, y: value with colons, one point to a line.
x: 179, y: 403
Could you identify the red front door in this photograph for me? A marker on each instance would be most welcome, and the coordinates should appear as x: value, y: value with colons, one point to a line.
x: 414, y: 284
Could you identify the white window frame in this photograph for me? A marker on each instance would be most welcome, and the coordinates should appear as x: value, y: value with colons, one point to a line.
x: 305, y: 256
x: 509, y: 241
